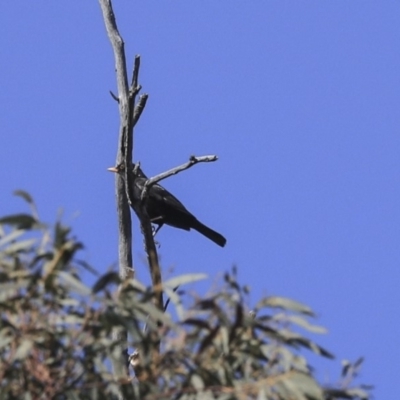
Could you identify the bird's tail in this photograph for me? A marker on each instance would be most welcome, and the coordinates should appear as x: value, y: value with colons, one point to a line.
x: 209, y: 233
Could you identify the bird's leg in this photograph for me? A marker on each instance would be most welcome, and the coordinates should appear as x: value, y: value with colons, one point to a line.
x: 157, y: 229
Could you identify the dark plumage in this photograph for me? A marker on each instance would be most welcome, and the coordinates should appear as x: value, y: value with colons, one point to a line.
x: 164, y: 208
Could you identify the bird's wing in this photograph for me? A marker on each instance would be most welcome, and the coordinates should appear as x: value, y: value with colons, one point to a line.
x: 169, y: 200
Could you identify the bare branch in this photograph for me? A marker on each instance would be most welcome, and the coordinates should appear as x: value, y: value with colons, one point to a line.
x: 125, y: 181
x: 133, y: 91
x: 114, y: 96
x: 192, y: 161
x: 120, y: 356
x: 139, y: 107
x: 135, y: 75
x: 124, y: 217
x: 155, y: 270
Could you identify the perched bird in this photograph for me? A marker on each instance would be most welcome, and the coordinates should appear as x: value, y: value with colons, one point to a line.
x: 164, y: 208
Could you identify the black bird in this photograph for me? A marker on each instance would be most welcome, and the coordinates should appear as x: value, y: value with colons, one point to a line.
x: 164, y: 208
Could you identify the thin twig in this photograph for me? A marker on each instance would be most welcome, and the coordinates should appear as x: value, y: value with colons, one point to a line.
x: 135, y: 74
x: 114, y: 96
x: 155, y: 270
x: 139, y: 108
x: 134, y: 89
x: 192, y: 161
x: 147, y: 231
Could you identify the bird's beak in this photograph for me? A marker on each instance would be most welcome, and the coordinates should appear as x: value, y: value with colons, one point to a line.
x: 113, y: 169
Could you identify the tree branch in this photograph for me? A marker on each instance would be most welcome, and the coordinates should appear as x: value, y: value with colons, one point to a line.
x: 129, y: 115
x: 124, y: 217
x: 126, y: 270
x: 137, y: 112
x: 147, y: 231
x: 135, y: 87
x: 125, y: 181
x: 192, y: 161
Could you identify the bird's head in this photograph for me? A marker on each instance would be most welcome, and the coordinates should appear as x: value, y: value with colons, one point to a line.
x: 114, y: 169
x: 117, y: 169
x: 120, y: 168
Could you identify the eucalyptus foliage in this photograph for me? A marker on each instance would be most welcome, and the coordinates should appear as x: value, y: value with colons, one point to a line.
x: 56, y: 338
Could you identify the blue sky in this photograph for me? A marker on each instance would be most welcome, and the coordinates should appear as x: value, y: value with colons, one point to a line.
x: 299, y: 99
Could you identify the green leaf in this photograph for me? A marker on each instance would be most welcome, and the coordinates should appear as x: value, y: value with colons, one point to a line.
x: 197, y: 382
x: 358, y: 363
x: 298, y: 386
x: 262, y: 395
x: 69, y: 302
x: 70, y: 319
x: 23, y: 349
x: 313, y: 347
x: 156, y: 315
x: 5, y: 339
x: 357, y: 392
x: 199, y: 323
x: 286, y: 304
x: 183, y: 279
x: 109, y: 278
x: 300, y: 364
x: 287, y: 390
x: 8, y: 290
x: 74, y: 283
x: 176, y: 300
x: 25, y: 195
x: 24, y: 245
x: 137, y: 285
x: 307, y: 386
x: 21, y: 221
x: 296, y: 319
x: 11, y: 236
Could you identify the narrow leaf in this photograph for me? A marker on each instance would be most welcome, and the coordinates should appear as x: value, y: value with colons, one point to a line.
x: 23, y: 349
x: 16, y: 247
x: 11, y: 236
x: 296, y: 319
x: 21, y: 221
x: 77, y: 285
x: 105, y: 280
x: 183, y: 279
x: 307, y: 386
x: 25, y: 195
x: 176, y: 300
x: 286, y: 304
